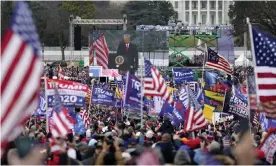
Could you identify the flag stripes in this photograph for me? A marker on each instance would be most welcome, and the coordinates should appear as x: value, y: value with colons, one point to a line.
x: 154, y: 84
x: 265, y: 65
x: 85, y: 117
x: 100, y: 49
x: 20, y: 72
x: 218, y: 62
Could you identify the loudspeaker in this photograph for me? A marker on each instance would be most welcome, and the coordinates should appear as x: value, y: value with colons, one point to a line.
x: 77, y: 37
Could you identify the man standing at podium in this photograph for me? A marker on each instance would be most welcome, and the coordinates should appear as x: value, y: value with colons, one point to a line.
x: 129, y: 52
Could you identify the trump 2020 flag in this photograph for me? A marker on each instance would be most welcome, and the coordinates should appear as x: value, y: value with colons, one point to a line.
x: 72, y: 94
x: 133, y: 92
x: 100, y: 95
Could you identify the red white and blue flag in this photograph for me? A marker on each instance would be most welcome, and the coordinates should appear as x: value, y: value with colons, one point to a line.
x: 215, y: 61
x: 195, y: 119
x: 62, y: 121
x: 86, y: 119
x: 265, y: 65
x: 99, y: 49
x: 154, y: 83
x: 21, y: 69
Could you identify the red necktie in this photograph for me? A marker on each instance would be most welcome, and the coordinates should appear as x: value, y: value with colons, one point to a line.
x: 126, y: 48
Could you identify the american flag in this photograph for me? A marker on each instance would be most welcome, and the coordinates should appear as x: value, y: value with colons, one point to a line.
x: 62, y: 122
x: 154, y: 84
x: 20, y: 72
x: 100, y: 49
x: 195, y: 119
x: 218, y: 62
x: 85, y: 117
x: 60, y: 73
x: 265, y: 59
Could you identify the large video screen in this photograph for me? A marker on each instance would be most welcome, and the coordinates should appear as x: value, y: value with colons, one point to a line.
x: 145, y: 41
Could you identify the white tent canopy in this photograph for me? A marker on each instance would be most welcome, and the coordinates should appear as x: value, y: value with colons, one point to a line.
x: 243, y: 61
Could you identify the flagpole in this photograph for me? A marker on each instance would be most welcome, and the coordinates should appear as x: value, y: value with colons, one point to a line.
x: 203, y: 65
x: 223, y: 104
x: 45, y: 90
x: 253, y: 58
x: 142, y: 91
x: 91, y: 93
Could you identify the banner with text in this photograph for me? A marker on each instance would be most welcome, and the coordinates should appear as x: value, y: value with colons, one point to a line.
x: 72, y: 94
x: 133, y: 92
x: 182, y: 75
x: 238, y: 107
x: 103, y: 96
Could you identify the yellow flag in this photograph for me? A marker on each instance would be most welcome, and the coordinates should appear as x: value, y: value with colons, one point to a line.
x: 214, y: 95
x: 208, y: 112
x: 117, y: 92
x: 171, y: 89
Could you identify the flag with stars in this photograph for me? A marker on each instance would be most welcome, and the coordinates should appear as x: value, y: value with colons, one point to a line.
x: 215, y: 61
x: 21, y: 69
x: 265, y: 65
x: 154, y: 84
x: 62, y: 121
x: 195, y: 119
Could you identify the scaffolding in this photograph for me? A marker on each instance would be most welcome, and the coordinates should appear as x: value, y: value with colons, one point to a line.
x: 181, y: 41
x: 79, y: 21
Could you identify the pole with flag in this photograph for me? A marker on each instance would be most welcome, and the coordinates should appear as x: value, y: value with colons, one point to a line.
x: 46, y: 98
x: 142, y: 92
x: 263, y: 48
x: 203, y: 65
x: 21, y: 71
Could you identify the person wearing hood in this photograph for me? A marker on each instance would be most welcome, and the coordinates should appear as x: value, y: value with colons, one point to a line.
x: 166, y: 127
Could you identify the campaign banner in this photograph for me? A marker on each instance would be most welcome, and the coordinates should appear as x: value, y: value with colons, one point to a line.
x: 238, y: 107
x: 102, y: 96
x: 41, y: 108
x: 133, y: 92
x: 182, y: 75
x: 176, y: 113
x: 72, y: 94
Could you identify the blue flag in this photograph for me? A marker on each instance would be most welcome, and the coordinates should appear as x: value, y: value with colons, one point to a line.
x: 79, y: 127
x: 267, y: 123
x: 102, y: 96
x: 133, y: 92
x: 175, y: 113
x: 182, y: 75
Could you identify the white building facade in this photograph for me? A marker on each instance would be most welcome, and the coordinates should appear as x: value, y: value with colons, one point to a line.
x: 206, y: 12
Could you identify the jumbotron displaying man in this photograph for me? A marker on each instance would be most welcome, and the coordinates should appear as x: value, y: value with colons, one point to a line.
x: 130, y: 54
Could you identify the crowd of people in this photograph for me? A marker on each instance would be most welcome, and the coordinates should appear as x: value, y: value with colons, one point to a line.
x: 118, y: 140
x: 113, y: 138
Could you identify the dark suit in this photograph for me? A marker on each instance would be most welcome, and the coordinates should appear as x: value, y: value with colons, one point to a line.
x: 130, y: 55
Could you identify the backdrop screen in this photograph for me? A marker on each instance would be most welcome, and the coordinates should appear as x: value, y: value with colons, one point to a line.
x: 145, y: 41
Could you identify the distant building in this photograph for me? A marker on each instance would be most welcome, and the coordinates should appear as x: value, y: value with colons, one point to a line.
x: 206, y: 12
